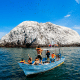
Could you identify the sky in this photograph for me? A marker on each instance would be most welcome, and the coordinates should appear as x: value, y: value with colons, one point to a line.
x: 60, y: 12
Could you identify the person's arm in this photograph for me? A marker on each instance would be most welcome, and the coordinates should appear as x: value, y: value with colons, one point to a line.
x: 41, y: 49
x: 29, y: 56
x: 31, y: 59
x: 36, y: 49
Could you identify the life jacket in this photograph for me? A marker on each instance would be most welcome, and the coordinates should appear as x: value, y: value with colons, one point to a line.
x: 22, y: 61
x: 53, y: 55
x: 50, y: 45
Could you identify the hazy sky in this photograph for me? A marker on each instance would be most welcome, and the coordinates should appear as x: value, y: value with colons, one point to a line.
x: 61, y: 12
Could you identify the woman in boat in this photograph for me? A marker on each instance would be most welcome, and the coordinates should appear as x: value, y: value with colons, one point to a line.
x: 36, y: 61
x: 48, y: 55
x: 29, y: 60
x: 39, y: 53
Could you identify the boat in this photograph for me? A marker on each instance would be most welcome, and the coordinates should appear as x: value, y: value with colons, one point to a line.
x: 34, y: 69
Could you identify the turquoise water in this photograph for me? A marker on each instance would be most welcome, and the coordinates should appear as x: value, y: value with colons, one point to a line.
x: 10, y: 70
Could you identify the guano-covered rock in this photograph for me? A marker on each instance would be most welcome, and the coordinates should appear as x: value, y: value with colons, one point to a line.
x: 33, y: 33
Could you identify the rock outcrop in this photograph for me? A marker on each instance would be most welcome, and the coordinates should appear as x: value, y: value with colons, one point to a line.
x: 32, y: 33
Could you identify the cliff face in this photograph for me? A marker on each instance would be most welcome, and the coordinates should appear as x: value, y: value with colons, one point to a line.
x: 41, y: 34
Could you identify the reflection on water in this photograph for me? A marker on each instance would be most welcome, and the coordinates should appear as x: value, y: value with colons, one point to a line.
x: 10, y: 70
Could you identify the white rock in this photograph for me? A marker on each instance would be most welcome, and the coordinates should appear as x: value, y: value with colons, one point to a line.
x: 45, y: 33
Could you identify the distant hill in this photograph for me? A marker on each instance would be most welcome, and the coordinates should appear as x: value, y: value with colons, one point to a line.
x: 31, y: 33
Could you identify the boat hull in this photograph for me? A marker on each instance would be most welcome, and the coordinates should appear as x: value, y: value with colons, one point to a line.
x: 33, y: 69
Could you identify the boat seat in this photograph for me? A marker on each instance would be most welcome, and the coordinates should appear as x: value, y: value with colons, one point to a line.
x: 33, y: 62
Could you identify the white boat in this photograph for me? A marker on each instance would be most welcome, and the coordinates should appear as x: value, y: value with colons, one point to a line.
x: 33, y: 69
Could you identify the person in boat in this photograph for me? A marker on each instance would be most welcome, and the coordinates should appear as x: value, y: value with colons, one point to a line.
x: 22, y: 61
x: 59, y: 56
x: 48, y: 55
x: 36, y: 61
x: 50, y: 45
x: 53, y: 56
x: 29, y: 60
x: 39, y: 53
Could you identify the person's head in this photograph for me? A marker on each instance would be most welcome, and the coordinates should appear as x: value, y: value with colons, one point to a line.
x: 47, y: 50
x: 22, y: 59
x: 53, y: 52
x: 38, y: 47
x: 36, y: 58
x: 29, y: 58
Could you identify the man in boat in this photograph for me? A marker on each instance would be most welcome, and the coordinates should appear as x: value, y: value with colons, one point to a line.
x: 39, y: 53
x: 36, y: 61
x: 59, y: 56
x: 53, y: 57
x: 48, y: 55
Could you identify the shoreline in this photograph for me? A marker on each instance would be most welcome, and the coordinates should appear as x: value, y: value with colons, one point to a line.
x: 34, y: 46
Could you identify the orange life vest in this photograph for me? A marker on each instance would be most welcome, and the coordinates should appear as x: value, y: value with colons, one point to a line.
x: 53, y: 55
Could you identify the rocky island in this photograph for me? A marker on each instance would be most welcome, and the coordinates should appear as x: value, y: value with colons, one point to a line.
x: 31, y: 34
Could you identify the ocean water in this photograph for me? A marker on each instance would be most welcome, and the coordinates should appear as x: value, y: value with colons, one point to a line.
x: 10, y: 70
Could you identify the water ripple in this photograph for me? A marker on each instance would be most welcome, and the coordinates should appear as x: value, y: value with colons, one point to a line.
x: 10, y: 70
